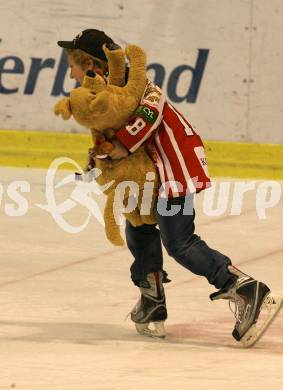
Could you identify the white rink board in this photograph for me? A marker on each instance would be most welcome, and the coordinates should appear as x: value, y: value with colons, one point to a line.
x: 239, y: 96
x: 64, y: 299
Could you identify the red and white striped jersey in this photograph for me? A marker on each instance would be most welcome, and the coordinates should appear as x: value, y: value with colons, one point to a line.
x: 171, y: 141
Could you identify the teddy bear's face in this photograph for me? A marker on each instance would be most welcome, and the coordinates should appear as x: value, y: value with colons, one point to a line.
x: 109, y: 108
x: 79, y: 104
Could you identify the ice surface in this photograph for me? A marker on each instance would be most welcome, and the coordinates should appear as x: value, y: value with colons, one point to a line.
x: 64, y: 298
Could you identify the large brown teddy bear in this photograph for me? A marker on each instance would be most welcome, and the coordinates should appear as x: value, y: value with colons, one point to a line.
x: 103, y: 106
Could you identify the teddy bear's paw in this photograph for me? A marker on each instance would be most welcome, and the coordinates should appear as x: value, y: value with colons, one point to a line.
x: 111, y: 50
x: 112, y: 46
x: 134, y: 52
x: 116, y: 64
x: 63, y: 108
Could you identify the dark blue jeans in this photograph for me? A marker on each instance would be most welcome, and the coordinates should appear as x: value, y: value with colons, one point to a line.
x: 175, y: 218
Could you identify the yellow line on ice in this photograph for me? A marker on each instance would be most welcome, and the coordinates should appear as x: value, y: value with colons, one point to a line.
x: 38, y: 149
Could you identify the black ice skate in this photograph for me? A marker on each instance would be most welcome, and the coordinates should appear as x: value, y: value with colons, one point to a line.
x: 151, y: 307
x: 250, y: 298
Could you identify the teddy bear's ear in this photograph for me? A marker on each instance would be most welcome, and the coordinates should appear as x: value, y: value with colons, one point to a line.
x: 63, y: 108
x: 99, y: 103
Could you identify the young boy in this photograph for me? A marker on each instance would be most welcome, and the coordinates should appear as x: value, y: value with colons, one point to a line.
x: 179, y: 156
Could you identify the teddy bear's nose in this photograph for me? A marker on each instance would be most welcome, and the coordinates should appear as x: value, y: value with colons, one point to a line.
x: 90, y: 73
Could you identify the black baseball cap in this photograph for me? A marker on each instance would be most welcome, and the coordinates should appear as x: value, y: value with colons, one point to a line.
x: 90, y: 41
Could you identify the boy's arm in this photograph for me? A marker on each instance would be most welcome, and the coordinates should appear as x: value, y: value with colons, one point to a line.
x: 119, y: 151
x: 145, y: 119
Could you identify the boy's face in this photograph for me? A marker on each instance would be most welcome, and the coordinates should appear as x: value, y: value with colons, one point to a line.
x: 77, y: 72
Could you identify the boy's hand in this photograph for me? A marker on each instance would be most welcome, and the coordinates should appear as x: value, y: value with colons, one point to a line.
x: 119, y: 151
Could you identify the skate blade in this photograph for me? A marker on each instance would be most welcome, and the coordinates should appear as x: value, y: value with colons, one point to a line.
x: 158, y: 331
x: 272, y: 305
